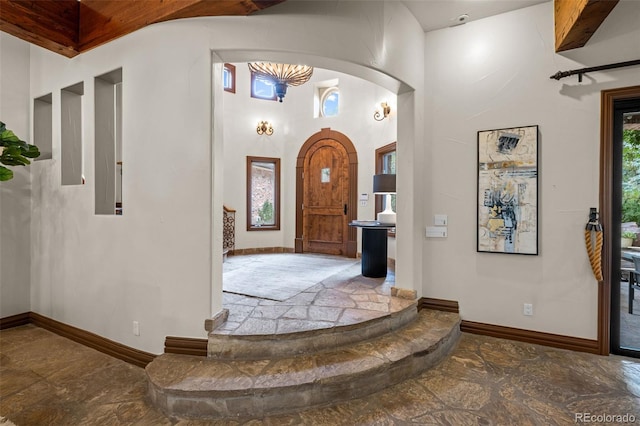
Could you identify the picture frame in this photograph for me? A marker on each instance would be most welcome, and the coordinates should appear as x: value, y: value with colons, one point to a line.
x: 507, y: 212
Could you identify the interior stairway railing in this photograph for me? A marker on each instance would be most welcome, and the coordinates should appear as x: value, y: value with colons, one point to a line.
x: 228, y: 231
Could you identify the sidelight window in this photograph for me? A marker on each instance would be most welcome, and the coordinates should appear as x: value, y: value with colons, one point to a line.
x: 386, y: 164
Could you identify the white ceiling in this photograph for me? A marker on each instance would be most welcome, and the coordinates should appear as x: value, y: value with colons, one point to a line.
x: 436, y: 14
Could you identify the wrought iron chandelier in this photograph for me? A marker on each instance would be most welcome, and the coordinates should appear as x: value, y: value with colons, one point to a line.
x: 282, y: 75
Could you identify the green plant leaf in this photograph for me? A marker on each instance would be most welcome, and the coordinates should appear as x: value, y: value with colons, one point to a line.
x: 12, y: 156
x: 32, y: 152
x: 5, y: 174
x: 12, y: 150
x: 9, y: 136
x: 15, y: 152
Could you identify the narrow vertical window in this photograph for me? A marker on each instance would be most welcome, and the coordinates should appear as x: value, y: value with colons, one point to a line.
x: 71, y: 134
x: 386, y: 164
x: 43, y: 126
x: 108, y: 143
x: 229, y: 78
x: 263, y: 193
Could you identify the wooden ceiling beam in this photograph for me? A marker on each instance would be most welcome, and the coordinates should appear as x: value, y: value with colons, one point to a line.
x: 49, y: 24
x: 577, y: 20
x: 70, y: 27
x: 104, y: 20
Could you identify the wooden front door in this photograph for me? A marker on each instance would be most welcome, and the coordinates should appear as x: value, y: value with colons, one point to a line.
x: 325, y: 198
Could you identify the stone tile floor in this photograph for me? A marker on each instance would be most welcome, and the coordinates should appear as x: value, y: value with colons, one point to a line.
x: 343, y: 298
x: 279, y: 276
x: 46, y: 379
x: 290, y: 381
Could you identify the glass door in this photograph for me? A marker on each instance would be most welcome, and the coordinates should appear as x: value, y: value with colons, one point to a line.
x: 625, y: 300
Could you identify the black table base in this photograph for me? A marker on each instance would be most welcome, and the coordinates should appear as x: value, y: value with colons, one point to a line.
x: 374, y: 252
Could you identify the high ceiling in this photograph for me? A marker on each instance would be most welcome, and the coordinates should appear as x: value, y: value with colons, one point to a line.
x: 70, y: 27
x: 437, y: 14
x: 575, y: 20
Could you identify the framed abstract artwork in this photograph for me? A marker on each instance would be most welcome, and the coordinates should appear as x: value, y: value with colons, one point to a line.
x: 508, y: 190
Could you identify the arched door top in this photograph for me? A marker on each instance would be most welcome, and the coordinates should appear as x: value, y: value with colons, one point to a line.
x: 327, y: 133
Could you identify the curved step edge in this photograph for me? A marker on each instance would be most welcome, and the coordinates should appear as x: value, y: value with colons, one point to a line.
x: 224, y: 346
x: 256, y: 402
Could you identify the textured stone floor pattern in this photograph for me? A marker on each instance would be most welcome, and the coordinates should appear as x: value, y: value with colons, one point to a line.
x: 46, y: 379
x: 290, y: 381
x: 344, y: 298
x: 279, y: 276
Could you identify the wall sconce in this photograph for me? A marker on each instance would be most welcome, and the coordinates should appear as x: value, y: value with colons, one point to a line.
x: 386, y: 109
x: 264, y: 127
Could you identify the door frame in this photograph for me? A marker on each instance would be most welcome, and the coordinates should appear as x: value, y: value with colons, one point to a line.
x: 607, y: 101
x: 352, y: 202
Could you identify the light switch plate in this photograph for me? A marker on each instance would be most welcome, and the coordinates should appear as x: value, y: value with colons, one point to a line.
x: 440, y: 220
x: 436, y: 232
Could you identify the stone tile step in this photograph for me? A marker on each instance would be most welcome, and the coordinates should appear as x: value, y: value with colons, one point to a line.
x: 260, y: 346
x: 195, y: 387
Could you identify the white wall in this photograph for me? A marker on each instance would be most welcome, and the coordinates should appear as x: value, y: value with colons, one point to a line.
x: 294, y: 122
x: 15, y: 201
x: 494, y: 73
x: 153, y: 264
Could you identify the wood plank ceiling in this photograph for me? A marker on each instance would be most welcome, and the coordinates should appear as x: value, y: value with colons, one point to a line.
x: 70, y: 27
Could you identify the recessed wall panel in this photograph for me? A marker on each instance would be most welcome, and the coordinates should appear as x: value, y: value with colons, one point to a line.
x: 43, y: 126
x: 108, y: 116
x: 71, y: 134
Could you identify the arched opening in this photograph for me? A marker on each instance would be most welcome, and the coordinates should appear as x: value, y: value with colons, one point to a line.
x: 406, y: 106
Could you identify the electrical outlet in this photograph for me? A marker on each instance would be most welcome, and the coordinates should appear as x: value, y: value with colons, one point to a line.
x: 136, y: 328
x: 528, y: 309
